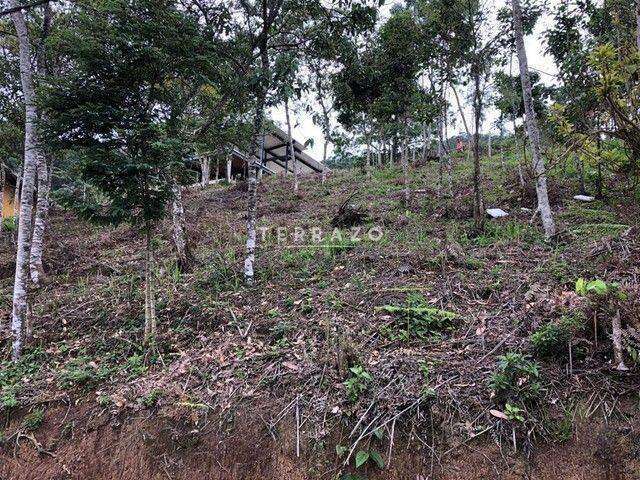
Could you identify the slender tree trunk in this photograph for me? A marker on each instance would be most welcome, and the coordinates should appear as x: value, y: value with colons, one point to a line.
x: 425, y: 138
x: 638, y: 24
x: 368, y: 155
x: 292, y: 150
x: 228, y: 169
x: 252, y: 196
x: 149, y: 290
x: 478, y: 209
x: 180, y: 239
x: 405, y: 169
x: 580, y: 166
x: 441, y: 151
x: 40, y: 222
x: 19, y: 309
x: 44, y: 174
x: 324, y: 160
x: 217, y: 168
x: 205, y: 168
x: 618, y: 356
x: 532, y: 126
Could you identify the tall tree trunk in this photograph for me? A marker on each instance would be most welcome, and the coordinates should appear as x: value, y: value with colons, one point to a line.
x: 252, y: 182
x: 580, y: 167
x: 441, y: 151
x: 324, y: 160
x: 518, y: 158
x: 227, y: 175
x: 291, y: 148
x: 478, y: 210
x: 19, y: 309
x: 638, y: 24
x: 425, y: 138
x: 532, y: 126
x: 180, y: 240
x: 40, y: 222
x: 205, y: 169
x: 44, y: 174
x: 405, y: 168
x: 368, y: 155
x: 149, y: 290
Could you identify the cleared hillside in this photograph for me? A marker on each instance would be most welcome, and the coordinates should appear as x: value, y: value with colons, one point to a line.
x: 381, y: 355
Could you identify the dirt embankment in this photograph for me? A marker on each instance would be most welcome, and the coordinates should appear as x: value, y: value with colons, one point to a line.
x: 85, y: 443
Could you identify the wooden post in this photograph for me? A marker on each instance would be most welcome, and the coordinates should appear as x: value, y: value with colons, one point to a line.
x: 228, y: 171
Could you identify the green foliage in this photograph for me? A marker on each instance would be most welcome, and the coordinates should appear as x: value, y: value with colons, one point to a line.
x: 418, y: 320
x: 510, y: 231
x: 33, y: 420
x: 12, y: 374
x: 8, y: 397
x: 516, y: 379
x: 358, y: 382
x: 117, y: 112
x: 150, y: 399
x: 9, y: 224
x: 552, y: 339
x: 514, y: 412
x: 599, y: 290
x: 364, y: 456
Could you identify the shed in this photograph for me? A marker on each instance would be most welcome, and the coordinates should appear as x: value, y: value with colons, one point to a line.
x: 8, y: 193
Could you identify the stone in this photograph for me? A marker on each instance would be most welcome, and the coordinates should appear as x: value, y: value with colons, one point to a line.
x: 496, y: 212
x: 584, y: 198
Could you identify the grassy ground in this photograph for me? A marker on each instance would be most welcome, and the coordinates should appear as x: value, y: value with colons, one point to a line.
x: 411, y: 319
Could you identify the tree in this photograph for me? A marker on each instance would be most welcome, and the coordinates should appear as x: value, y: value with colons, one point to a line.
x: 268, y: 29
x: 44, y: 170
x: 31, y: 152
x: 532, y: 126
x: 119, y: 112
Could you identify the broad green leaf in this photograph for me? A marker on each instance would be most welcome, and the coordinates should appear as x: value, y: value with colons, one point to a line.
x: 361, y: 458
x: 375, y: 456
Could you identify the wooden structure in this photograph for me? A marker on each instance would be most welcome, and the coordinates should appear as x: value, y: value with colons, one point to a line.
x: 275, y: 158
x: 8, y: 194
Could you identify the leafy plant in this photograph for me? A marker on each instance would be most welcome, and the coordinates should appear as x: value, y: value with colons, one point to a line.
x: 357, y: 383
x: 418, y: 319
x: 516, y: 378
x: 552, y: 339
x: 33, y: 420
x: 363, y: 456
x: 513, y: 412
x: 598, y: 288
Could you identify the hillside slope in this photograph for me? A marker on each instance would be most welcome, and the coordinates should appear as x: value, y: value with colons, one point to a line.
x: 374, y: 350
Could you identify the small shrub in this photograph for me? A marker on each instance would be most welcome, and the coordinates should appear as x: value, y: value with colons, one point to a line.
x: 8, y: 398
x: 516, y: 379
x: 151, y: 398
x: 33, y: 421
x: 552, y: 339
x: 9, y: 224
x: 417, y: 319
x: 358, y: 382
